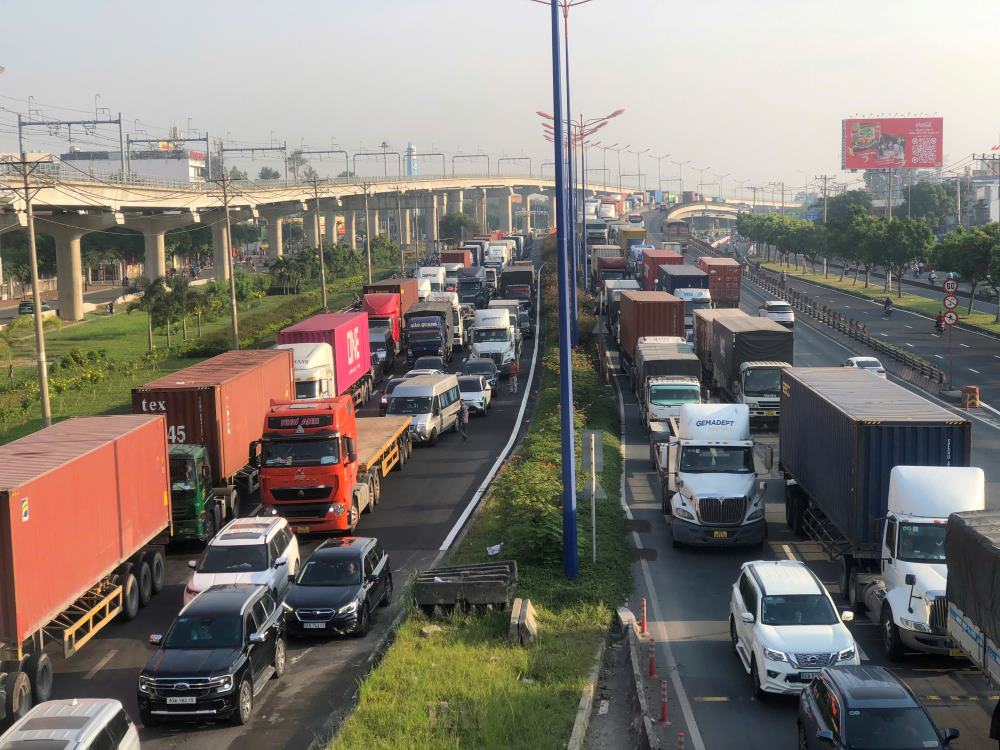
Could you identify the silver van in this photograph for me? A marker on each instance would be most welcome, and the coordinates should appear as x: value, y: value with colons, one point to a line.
x: 77, y: 723
x: 432, y: 400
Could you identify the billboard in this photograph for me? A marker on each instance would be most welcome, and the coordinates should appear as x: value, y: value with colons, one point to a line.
x: 892, y: 143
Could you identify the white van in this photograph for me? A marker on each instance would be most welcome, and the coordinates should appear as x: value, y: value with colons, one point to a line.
x: 76, y: 723
x: 432, y: 400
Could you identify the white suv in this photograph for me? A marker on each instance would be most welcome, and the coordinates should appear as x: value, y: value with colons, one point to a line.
x: 785, y: 628
x: 261, y: 551
x: 779, y: 311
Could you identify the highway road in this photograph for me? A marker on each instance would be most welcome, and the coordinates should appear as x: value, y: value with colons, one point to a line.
x: 418, y: 508
x: 688, y: 591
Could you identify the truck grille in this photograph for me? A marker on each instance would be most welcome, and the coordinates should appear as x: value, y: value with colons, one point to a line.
x: 812, y: 661
x: 725, y: 511
x: 303, y: 511
x: 182, y: 512
x: 497, y: 358
x: 939, y: 615
x: 300, y: 493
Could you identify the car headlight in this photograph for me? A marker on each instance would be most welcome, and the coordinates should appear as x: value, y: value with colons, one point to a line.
x: 847, y: 654
x: 145, y: 684
x: 348, y: 608
x: 773, y: 655
x: 287, y: 607
x: 337, y: 509
x: 759, y: 513
x: 223, y: 684
x: 914, y: 625
x: 681, y: 513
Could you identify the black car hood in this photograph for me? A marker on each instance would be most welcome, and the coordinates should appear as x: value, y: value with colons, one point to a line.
x: 320, y: 597
x: 201, y: 662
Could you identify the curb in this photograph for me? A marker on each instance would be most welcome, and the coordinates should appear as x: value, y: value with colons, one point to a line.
x: 642, y: 723
x: 583, y: 710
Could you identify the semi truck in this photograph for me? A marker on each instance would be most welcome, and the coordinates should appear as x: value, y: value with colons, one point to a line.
x: 608, y: 268
x: 710, y: 492
x: 428, y: 330
x: 476, y: 253
x: 459, y: 335
x: 518, y: 282
x: 472, y: 288
x: 646, y: 314
x: 405, y: 288
x: 384, y: 316
x: 435, y: 276
x: 610, y: 297
x: 213, y: 411
x: 871, y: 471
x: 630, y: 235
x: 748, y: 355
x: 652, y: 259
x: 702, y: 338
x: 356, y: 372
x: 597, y: 230
x: 666, y: 377
x: 724, y: 275
x: 87, y: 516
x: 671, y: 277
x: 460, y: 256
x: 322, y: 466
x: 495, y: 337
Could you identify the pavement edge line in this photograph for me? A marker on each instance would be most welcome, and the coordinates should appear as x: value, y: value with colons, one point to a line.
x: 586, y: 705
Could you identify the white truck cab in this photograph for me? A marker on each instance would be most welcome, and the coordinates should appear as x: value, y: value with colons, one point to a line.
x: 459, y: 336
x: 423, y: 288
x: 759, y: 387
x: 666, y: 394
x: 314, y: 370
x: 694, y: 299
x: 493, y: 338
x: 435, y: 274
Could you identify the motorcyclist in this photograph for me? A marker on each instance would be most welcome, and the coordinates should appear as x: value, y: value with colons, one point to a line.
x: 932, y: 277
x: 939, y: 323
x: 887, y: 307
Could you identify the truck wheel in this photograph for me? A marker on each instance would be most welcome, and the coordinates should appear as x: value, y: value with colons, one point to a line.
x: 157, y: 567
x: 145, y: 583
x: 354, y: 517
x: 208, y: 525
x: 130, y: 597
x: 376, y: 487
x: 17, y: 686
x: 39, y: 670
x: 434, y: 437
x: 891, y: 642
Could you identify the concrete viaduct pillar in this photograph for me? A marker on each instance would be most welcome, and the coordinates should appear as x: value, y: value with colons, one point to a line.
x: 154, y: 230
x: 443, y: 204
x: 351, y: 227
x: 310, y: 229
x: 407, y: 219
x: 457, y: 201
x: 526, y: 203
x: 373, y: 214
x: 431, y: 220
x: 552, y: 209
x: 221, y: 244
x: 275, y: 217
x: 506, y: 209
x: 67, y: 231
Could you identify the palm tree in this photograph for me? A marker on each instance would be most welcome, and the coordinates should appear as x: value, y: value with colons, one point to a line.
x: 281, y: 273
x: 150, y: 301
x: 181, y: 297
x: 199, y: 306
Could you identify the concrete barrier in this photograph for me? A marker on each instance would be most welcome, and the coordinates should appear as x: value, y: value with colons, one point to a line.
x: 642, y: 723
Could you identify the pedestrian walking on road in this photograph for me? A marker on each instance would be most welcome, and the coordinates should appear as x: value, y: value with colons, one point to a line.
x: 463, y: 420
x: 513, y: 377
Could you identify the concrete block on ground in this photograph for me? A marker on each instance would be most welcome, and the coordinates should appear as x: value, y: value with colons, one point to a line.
x: 527, y: 625
x: 513, y: 634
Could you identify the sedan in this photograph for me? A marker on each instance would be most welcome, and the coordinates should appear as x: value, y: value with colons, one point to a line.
x: 383, y: 402
x: 28, y: 308
x: 476, y: 392
x: 870, y: 364
x: 430, y: 363
x: 482, y: 366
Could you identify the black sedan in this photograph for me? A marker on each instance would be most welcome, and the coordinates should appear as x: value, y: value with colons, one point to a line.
x: 383, y: 402
x: 485, y: 367
x: 338, y: 587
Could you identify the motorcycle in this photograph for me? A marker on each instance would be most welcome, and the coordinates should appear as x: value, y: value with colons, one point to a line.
x: 938, y: 327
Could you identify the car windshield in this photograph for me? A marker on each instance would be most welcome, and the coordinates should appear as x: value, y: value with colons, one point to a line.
x: 205, y: 631
x: 779, y: 308
x: 871, y: 362
x: 470, y: 385
x: 33, y: 744
x: 321, y: 452
x: 428, y: 363
x: 330, y: 572
x: 673, y: 395
x: 182, y: 474
x: 235, y: 558
x: 480, y: 368
x: 410, y: 405
x: 889, y: 729
x: 306, y: 389
x: 921, y: 542
x: 762, y: 382
x: 715, y: 459
x: 797, y: 609
x: 469, y: 286
x: 484, y: 335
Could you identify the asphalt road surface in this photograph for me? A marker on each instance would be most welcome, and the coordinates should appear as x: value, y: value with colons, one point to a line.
x: 418, y: 508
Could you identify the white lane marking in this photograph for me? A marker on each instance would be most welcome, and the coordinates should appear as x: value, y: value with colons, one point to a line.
x: 975, y: 371
x: 907, y: 325
x: 295, y: 658
x: 939, y: 356
x: 478, y: 494
x: 965, y: 345
x: 100, y: 665
x: 997, y: 356
x: 909, y: 344
x: 788, y: 552
x: 884, y: 334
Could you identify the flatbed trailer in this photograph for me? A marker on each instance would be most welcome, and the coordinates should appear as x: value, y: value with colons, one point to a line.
x: 383, y: 444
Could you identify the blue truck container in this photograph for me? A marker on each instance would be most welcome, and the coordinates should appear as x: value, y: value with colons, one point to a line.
x: 428, y: 330
x: 671, y: 278
x: 842, y: 431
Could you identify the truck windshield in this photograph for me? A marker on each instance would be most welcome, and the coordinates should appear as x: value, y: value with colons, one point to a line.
x: 921, y: 542
x: 469, y: 287
x: 715, y: 459
x: 612, y: 275
x: 797, y: 609
x: 426, y: 336
x: 330, y: 573
x: 485, y: 335
x: 762, y: 382
x: 307, y: 389
x: 204, y: 632
x: 320, y: 452
x: 234, y: 558
x: 889, y: 729
x: 674, y: 395
x: 696, y: 304
x: 182, y: 477
x: 410, y: 405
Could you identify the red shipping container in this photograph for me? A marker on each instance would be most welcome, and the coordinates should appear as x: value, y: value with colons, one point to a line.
x: 405, y: 288
x: 648, y: 314
x: 384, y: 305
x: 457, y: 256
x: 220, y: 403
x: 79, y: 499
x: 652, y: 260
x: 347, y: 333
x: 724, y: 276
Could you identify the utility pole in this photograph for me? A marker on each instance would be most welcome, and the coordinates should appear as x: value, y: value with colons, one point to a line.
x: 888, y: 202
x: 826, y: 178
x: 782, y: 198
x: 399, y: 230
x: 319, y: 245
x: 227, y: 246
x: 366, y: 186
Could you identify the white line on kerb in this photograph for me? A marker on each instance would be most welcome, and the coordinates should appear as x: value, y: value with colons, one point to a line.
x: 909, y: 344
x: 965, y: 345
x: 908, y: 326
x: 975, y: 371
x: 100, y: 665
x: 939, y: 356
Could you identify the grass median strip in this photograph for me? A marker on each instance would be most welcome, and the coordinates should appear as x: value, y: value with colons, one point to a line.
x: 466, y: 686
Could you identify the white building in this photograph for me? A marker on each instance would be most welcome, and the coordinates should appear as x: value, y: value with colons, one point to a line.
x: 167, y: 163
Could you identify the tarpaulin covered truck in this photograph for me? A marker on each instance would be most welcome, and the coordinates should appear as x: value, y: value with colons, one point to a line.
x: 748, y: 355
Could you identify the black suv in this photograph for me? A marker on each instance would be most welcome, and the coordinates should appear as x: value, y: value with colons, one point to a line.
x: 218, y: 655
x: 864, y: 706
x: 482, y: 366
x: 337, y: 588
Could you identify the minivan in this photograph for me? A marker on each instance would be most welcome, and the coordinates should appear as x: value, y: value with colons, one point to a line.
x: 432, y: 400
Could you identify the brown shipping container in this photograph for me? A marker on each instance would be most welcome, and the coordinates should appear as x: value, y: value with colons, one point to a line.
x: 79, y: 498
x: 703, y: 332
x: 652, y: 260
x: 405, y: 288
x: 220, y: 403
x: 457, y: 256
x: 648, y: 314
x: 724, y: 276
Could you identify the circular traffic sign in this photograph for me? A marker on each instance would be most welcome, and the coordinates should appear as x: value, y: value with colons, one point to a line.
x: 950, y: 286
x: 950, y: 318
x: 950, y: 302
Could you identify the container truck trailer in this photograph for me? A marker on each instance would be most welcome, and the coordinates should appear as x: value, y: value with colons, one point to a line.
x: 646, y: 314
x: 748, y: 355
x: 724, y: 275
x: 652, y: 259
x: 702, y: 340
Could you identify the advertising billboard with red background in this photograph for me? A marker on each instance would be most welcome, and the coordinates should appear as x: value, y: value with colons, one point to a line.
x: 892, y: 143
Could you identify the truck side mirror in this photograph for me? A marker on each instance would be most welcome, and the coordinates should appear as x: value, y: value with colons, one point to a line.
x: 910, y: 579
x: 352, y: 450
x: 255, y: 454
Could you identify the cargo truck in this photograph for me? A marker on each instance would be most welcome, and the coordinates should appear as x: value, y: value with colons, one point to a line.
x: 435, y: 276
x: 597, y: 230
x: 608, y: 269
x: 748, y: 355
x: 459, y: 335
x: 670, y: 278
x: 356, y: 372
x: 322, y: 466
x: 646, y: 314
x: 428, y: 330
x: 652, y: 259
x: 702, y: 338
x: 384, y: 315
x: 87, y: 515
x: 472, y: 288
x: 724, y: 276
x: 461, y: 256
x: 666, y: 377
x: 853, y: 452
x: 518, y: 282
x: 476, y: 253
x: 630, y: 235
x: 213, y: 411
x: 494, y: 337
x: 405, y: 288
x: 610, y: 298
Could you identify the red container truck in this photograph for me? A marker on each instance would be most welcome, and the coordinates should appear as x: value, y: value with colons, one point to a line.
x: 457, y: 256
x: 384, y: 314
x: 405, y: 288
x: 85, y: 515
x: 647, y: 314
x: 652, y: 259
x: 213, y: 411
x: 724, y: 276
x: 322, y: 466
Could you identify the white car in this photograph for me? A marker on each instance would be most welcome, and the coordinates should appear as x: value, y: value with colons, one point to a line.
x: 779, y: 311
x: 261, y: 550
x: 76, y: 723
x: 476, y: 392
x: 421, y: 371
x: 869, y: 364
x: 784, y: 627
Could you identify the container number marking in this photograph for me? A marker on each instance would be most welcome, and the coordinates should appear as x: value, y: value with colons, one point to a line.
x: 176, y: 434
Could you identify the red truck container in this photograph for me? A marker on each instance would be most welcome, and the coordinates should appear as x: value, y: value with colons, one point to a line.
x: 652, y: 260
x: 86, y: 510
x: 383, y: 307
x: 608, y: 268
x: 405, y: 288
x: 347, y: 334
x: 723, y: 280
x: 703, y: 322
x: 457, y: 256
x: 647, y: 314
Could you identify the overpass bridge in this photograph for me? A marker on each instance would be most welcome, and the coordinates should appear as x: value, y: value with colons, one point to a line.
x: 68, y: 207
x: 723, y: 210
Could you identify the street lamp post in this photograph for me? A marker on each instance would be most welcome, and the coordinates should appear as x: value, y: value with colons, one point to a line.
x: 618, y: 151
x: 638, y: 165
x: 659, y: 175
x: 680, y: 174
x: 720, y: 178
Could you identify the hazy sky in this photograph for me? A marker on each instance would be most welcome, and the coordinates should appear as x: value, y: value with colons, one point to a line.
x: 753, y: 89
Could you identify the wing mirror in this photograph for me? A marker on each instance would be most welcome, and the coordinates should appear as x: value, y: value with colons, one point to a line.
x: 257, y: 638
x: 255, y: 453
x: 156, y: 639
x: 352, y: 450
x: 910, y: 579
x: 847, y: 616
x: 192, y: 564
x: 769, y: 458
x: 747, y: 617
x: 280, y: 561
x: 950, y: 734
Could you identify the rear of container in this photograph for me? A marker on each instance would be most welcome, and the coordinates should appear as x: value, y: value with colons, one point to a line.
x: 724, y: 275
x: 742, y: 338
x: 670, y: 278
x: 647, y: 314
x: 652, y: 260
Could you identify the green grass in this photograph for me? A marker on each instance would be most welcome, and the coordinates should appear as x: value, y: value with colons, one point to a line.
x: 466, y: 687
x: 914, y: 302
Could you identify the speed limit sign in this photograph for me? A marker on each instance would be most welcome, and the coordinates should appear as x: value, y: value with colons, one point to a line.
x: 950, y: 318
x: 950, y: 302
x: 950, y: 286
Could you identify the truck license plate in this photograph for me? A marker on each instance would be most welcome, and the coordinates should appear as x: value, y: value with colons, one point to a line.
x: 956, y: 652
x: 314, y: 625
x: 720, y: 534
x: 770, y: 413
x: 181, y: 700
x: 301, y: 529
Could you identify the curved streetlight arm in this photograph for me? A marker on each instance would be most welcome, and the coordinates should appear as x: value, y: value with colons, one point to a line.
x: 514, y: 158
x: 383, y: 154
x: 444, y: 168
x: 470, y: 156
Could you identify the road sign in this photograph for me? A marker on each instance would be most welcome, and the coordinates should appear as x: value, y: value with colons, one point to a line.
x: 950, y: 302
x: 950, y: 286
x: 950, y: 318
